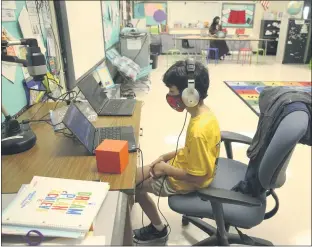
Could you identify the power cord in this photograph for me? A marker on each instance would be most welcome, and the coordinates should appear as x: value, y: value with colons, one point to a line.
x: 69, y: 135
x: 167, y: 176
x: 141, y: 183
x: 60, y: 98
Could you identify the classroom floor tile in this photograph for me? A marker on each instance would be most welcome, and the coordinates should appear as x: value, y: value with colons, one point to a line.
x: 162, y: 125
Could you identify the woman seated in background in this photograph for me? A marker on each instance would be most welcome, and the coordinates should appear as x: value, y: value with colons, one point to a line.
x: 215, y: 27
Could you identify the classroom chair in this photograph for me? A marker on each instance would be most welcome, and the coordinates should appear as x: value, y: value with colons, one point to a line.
x: 234, y: 209
x: 173, y: 55
x: 262, y: 51
x: 244, y: 54
x: 216, y: 54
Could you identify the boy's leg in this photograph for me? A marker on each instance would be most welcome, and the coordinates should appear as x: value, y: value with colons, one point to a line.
x: 146, y: 202
x: 156, y: 230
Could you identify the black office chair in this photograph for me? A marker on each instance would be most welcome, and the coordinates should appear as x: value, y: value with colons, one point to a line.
x: 230, y: 208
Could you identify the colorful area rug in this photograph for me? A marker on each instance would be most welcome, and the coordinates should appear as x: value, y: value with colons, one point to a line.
x: 249, y: 91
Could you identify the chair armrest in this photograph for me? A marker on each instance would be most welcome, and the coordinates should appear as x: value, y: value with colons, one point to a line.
x: 228, y: 136
x: 228, y: 196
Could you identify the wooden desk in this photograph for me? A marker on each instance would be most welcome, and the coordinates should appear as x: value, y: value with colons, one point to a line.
x: 234, y: 38
x: 55, y: 155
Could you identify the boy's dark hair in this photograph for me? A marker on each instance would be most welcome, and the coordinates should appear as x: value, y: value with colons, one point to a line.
x: 176, y: 75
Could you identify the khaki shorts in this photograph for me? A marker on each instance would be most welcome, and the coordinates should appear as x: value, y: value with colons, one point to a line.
x: 156, y: 185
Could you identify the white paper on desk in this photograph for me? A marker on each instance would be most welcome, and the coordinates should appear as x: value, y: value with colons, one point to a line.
x: 9, y: 71
x: 134, y: 44
x: 23, y: 187
x: 8, y: 4
x: 8, y: 15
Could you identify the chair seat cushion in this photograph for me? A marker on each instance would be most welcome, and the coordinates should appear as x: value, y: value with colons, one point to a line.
x: 229, y: 173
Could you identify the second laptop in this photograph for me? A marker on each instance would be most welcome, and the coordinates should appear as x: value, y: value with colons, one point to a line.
x: 99, y: 101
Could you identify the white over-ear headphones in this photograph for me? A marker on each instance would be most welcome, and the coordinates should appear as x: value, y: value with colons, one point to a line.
x: 190, y: 95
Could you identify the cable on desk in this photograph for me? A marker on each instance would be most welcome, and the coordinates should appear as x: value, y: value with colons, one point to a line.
x: 39, y: 108
x: 167, y: 176
x: 63, y: 98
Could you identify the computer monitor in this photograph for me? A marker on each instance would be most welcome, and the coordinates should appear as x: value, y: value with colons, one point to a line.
x: 80, y: 24
x: 80, y: 126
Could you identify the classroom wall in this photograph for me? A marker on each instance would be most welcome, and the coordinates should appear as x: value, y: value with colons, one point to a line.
x: 278, y: 6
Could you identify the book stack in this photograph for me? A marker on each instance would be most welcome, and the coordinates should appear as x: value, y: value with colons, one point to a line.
x: 55, y: 207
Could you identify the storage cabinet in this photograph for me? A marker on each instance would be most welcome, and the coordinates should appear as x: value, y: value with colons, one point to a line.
x: 270, y: 29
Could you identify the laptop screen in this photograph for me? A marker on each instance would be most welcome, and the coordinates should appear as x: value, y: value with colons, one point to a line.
x: 80, y: 126
x: 93, y: 92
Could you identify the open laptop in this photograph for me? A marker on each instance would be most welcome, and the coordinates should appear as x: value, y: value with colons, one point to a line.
x: 90, y: 136
x: 99, y: 101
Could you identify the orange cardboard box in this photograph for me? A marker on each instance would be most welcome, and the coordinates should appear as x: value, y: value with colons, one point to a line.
x: 112, y: 156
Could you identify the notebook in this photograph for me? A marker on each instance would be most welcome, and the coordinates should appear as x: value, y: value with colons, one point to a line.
x: 90, y: 239
x: 56, y: 204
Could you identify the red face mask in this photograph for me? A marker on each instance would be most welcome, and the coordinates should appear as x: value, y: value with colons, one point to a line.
x: 175, y: 102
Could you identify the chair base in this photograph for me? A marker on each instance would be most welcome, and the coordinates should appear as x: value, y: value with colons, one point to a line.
x: 215, y: 239
x: 232, y: 239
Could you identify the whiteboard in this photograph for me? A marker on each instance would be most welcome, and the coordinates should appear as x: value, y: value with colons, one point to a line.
x: 192, y: 11
x: 83, y: 38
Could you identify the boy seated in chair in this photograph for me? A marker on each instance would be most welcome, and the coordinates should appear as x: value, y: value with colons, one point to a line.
x: 190, y: 168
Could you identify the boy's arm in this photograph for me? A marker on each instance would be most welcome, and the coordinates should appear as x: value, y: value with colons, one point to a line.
x: 168, y: 156
x: 181, y: 174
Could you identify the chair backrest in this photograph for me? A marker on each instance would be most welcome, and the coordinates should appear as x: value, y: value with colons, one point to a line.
x: 273, y: 166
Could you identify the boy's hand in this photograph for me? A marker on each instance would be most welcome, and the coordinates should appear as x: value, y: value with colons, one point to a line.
x: 160, y: 159
x: 158, y: 170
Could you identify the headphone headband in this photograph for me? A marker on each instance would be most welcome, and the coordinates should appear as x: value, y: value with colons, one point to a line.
x: 190, y: 66
x: 190, y: 95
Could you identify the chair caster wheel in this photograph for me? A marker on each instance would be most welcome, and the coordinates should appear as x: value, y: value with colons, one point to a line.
x: 185, y: 222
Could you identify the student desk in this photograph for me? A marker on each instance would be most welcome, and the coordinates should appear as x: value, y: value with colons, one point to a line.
x: 55, y: 155
x: 234, y: 38
x: 110, y: 221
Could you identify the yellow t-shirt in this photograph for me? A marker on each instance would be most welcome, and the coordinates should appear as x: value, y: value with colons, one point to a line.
x: 202, y: 148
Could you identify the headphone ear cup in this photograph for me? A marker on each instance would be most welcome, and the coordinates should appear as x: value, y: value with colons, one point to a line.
x: 190, y: 97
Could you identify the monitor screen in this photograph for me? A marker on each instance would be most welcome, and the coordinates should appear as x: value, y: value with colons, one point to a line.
x: 80, y: 25
x: 80, y: 126
x: 92, y: 91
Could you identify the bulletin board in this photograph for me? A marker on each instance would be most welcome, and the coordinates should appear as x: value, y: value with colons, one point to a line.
x: 238, y: 15
x: 111, y: 22
x: 13, y: 93
x: 155, y: 13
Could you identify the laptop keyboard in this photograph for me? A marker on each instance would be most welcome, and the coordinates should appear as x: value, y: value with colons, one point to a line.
x: 114, y: 105
x: 113, y: 133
